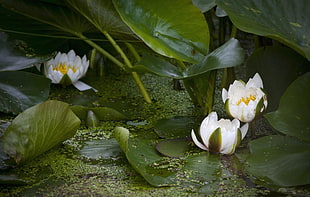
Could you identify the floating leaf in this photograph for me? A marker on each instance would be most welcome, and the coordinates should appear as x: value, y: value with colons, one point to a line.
x: 174, y: 147
x: 293, y: 115
x: 178, y: 30
x: 163, y: 171
x: 102, y: 113
x: 286, y: 22
x: 38, y: 129
x: 21, y: 90
x: 175, y: 127
x: 280, y: 160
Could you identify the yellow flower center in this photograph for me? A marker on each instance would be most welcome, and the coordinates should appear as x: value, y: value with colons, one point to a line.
x: 63, y: 68
x: 246, y: 100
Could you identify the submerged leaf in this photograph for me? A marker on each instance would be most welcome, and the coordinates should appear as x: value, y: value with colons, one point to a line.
x: 38, y: 129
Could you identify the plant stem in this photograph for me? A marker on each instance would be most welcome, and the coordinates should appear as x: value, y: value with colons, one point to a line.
x: 133, y: 51
x: 129, y: 65
x: 102, y: 51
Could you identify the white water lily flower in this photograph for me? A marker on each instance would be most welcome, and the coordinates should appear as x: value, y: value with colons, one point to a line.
x: 245, y: 101
x: 67, y: 69
x: 220, y: 136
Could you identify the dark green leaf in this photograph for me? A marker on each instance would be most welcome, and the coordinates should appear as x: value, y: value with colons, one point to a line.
x: 12, y: 59
x: 174, y: 147
x: 162, y: 171
x: 21, y: 90
x: 61, y: 20
x: 228, y: 55
x: 11, y: 180
x: 103, y: 16
x: 204, y: 5
x: 38, y: 129
x: 293, y: 115
x: 102, y: 113
x: 176, y: 30
x: 175, y: 127
x: 280, y: 160
x: 278, y: 67
x: 287, y: 22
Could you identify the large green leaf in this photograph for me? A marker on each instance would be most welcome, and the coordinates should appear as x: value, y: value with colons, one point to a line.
x: 280, y: 160
x: 163, y: 171
x: 175, y: 29
x: 12, y: 59
x: 279, y: 67
x: 287, y: 22
x: 21, y: 90
x: 61, y: 20
x: 38, y: 129
x: 103, y: 16
x: 293, y: 115
x: 228, y: 55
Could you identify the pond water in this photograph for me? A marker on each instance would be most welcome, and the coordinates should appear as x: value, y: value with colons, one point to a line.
x: 93, y: 164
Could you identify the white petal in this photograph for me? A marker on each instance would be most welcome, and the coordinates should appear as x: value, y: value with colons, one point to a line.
x: 83, y: 86
x: 244, y: 129
x: 256, y: 82
x: 200, y: 145
x: 224, y: 95
x: 228, y: 141
x: 71, y: 55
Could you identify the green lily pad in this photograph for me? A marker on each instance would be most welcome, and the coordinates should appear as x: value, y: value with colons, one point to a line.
x: 102, y: 113
x: 174, y: 147
x: 293, y: 115
x: 280, y: 160
x: 39, y: 129
x: 175, y: 127
x: 164, y: 171
x: 177, y: 30
x: 286, y: 22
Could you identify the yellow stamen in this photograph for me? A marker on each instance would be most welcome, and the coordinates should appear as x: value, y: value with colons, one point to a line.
x: 246, y: 100
x: 63, y: 68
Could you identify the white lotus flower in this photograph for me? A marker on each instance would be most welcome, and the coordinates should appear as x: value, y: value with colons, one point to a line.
x: 221, y: 136
x: 245, y: 101
x: 67, y: 69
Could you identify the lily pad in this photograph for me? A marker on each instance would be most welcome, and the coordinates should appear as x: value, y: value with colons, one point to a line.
x: 177, y: 30
x: 164, y: 171
x: 293, y: 115
x: 175, y: 127
x: 280, y: 160
x: 286, y: 22
x: 39, y: 129
x: 102, y: 113
x: 174, y: 147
